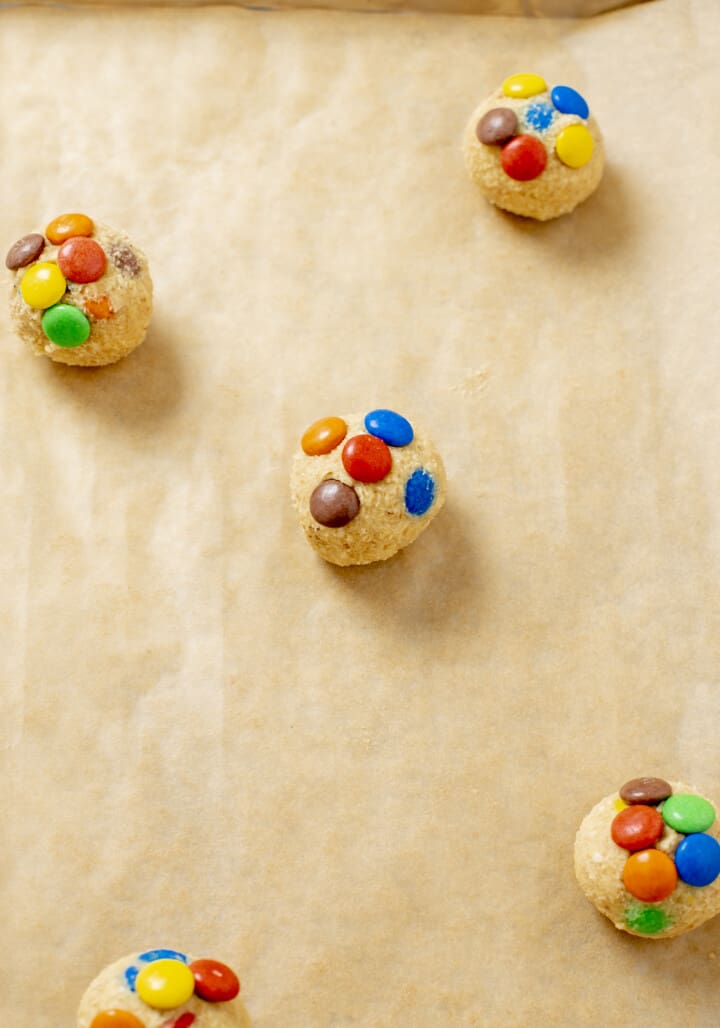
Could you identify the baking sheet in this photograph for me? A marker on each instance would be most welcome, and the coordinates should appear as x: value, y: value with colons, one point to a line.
x: 358, y: 787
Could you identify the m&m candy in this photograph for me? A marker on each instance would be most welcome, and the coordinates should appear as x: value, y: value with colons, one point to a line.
x: 697, y: 859
x: 574, y: 146
x: 116, y: 1019
x: 82, y: 260
x: 523, y: 158
x: 521, y: 86
x: 43, y: 284
x: 65, y: 325
x: 650, y: 875
x: 165, y: 984
x: 568, y: 101
x: 637, y: 827
x: 687, y: 813
x: 323, y: 436
x: 67, y: 225
x: 214, y: 982
x: 392, y: 428
x: 366, y: 458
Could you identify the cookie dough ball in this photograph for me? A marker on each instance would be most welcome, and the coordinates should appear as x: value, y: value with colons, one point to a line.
x: 648, y: 857
x: 532, y: 150
x: 365, y: 486
x: 81, y: 293
x: 163, y: 989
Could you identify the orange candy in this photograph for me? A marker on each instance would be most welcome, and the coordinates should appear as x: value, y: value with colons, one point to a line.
x: 81, y: 260
x: 323, y: 436
x: 67, y: 225
x: 116, y: 1019
x: 650, y: 875
x: 99, y: 307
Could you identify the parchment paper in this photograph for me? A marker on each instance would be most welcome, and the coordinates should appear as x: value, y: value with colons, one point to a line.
x: 359, y: 787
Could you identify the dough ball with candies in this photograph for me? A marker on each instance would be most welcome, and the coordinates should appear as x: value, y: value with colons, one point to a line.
x: 365, y: 485
x: 81, y: 292
x: 163, y: 988
x: 648, y: 857
x: 534, y: 150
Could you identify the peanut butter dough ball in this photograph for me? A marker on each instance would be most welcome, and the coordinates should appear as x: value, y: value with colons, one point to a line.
x: 532, y: 150
x: 365, y: 486
x: 648, y: 857
x: 81, y: 293
x: 163, y: 989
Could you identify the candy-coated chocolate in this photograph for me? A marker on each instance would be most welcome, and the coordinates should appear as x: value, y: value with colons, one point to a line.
x: 620, y: 804
x: 637, y: 827
x: 647, y: 920
x: 131, y: 974
x: 42, y: 285
x: 569, y: 101
x: 334, y: 504
x: 82, y: 260
x: 574, y: 146
x: 649, y: 875
x: 392, y: 428
x: 116, y: 1019
x: 65, y: 325
x: 162, y: 954
x: 125, y: 260
x: 67, y: 225
x: 523, y: 158
x: 697, y: 859
x: 648, y: 791
x: 419, y: 492
x: 25, y: 251
x: 184, y: 1021
x: 165, y: 984
x: 539, y: 116
x: 523, y: 85
x: 323, y: 436
x: 497, y: 126
x: 687, y: 813
x: 366, y: 458
x: 214, y: 982
x: 99, y: 307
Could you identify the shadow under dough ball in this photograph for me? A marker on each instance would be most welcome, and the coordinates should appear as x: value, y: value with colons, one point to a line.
x: 81, y: 292
x: 532, y: 150
x: 163, y: 988
x: 648, y: 857
x: 366, y: 486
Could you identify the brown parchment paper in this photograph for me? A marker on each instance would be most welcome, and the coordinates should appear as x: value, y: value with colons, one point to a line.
x: 358, y: 787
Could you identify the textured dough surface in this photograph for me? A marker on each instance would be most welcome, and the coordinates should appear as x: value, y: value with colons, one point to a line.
x: 110, y: 339
x: 599, y: 864
x: 558, y: 190
x: 108, y: 991
x: 383, y: 526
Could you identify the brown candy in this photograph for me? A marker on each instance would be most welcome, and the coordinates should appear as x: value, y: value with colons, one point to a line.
x: 497, y: 126
x: 125, y: 260
x: 334, y: 504
x: 25, y: 251
x: 649, y: 791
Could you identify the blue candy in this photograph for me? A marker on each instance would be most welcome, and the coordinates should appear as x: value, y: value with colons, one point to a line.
x: 131, y: 974
x: 569, y: 101
x: 419, y: 492
x: 539, y: 116
x: 697, y: 859
x: 162, y: 954
x: 392, y: 428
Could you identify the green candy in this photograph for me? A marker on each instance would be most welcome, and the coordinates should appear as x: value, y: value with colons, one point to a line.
x: 686, y: 813
x: 65, y: 325
x: 647, y: 920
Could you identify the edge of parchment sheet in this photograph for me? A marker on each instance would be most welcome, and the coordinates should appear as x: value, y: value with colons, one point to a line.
x: 505, y: 8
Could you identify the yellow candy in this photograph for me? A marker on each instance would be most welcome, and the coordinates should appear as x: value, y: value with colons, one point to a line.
x: 574, y: 146
x: 43, y: 285
x: 165, y: 984
x: 521, y: 86
x: 620, y: 804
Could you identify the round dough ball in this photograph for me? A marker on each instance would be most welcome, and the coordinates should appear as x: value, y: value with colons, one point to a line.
x: 364, y: 497
x: 525, y: 132
x: 116, y: 304
x: 111, y: 991
x: 600, y: 865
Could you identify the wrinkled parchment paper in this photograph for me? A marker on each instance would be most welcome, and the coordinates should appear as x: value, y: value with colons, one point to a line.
x: 358, y: 787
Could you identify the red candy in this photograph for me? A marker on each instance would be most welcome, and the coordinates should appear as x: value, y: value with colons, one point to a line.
x: 523, y: 158
x: 184, y: 1021
x: 81, y: 259
x: 637, y: 827
x: 366, y: 458
x: 214, y: 982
